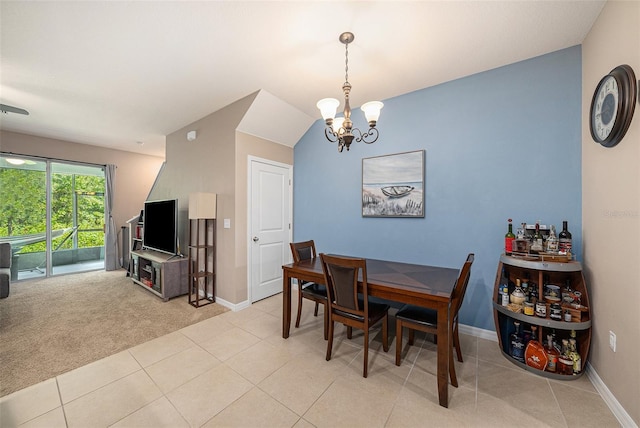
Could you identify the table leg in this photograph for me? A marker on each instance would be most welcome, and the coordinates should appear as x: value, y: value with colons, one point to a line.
x: 444, y: 338
x: 286, y: 305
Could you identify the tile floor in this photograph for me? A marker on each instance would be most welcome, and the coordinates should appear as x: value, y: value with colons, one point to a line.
x: 235, y: 370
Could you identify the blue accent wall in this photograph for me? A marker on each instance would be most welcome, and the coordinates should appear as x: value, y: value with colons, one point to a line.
x: 501, y: 144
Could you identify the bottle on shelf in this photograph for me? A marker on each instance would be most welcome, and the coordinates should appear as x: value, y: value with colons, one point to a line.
x: 574, y: 354
x: 517, y: 295
x: 552, y: 241
x: 552, y: 354
x: 504, y: 289
x: 533, y: 296
x: 516, y: 343
x: 537, y: 244
x: 508, y: 239
x: 564, y: 239
x: 567, y: 293
x: 565, y: 364
x: 524, y: 284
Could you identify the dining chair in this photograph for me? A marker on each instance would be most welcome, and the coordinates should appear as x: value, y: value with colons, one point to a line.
x: 425, y: 320
x: 348, y: 306
x: 309, y: 290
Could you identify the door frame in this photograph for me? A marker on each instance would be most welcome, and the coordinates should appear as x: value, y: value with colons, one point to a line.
x: 250, y: 160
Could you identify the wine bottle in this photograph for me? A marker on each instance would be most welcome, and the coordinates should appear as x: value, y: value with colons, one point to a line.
x: 537, y: 245
x: 564, y: 239
x: 508, y: 239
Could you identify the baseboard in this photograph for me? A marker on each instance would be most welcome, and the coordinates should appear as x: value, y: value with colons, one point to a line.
x: 235, y: 307
x: 614, y: 405
x: 478, y: 332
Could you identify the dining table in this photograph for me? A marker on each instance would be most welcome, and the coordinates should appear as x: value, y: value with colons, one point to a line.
x: 415, y: 284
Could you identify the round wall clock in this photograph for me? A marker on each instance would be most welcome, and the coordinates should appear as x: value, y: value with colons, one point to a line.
x: 612, y: 106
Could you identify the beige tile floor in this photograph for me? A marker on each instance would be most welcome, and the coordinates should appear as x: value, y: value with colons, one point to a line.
x: 235, y: 370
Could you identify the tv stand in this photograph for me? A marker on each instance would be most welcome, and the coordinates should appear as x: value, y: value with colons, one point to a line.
x: 164, y: 275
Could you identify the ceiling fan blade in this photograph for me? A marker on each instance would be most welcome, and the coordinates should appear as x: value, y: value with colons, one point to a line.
x: 11, y: 109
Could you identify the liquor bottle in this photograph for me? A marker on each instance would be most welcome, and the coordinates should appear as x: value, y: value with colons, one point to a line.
x: 554, y: 341
x: 517, y: 343
x: 552, y: 354
x: 533, y: 297
x: 552, y: 241
x: 575, y: 356
x: 517, y: 295
x: 525, y: 290
x: 504, y: 289
x: 564, y: 239
x: 537, y: 245
x: 508, y: 239
x: 565, y: 363
x: 568, y: 293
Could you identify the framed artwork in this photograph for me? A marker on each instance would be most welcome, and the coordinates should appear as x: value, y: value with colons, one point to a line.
x: 393, y: 185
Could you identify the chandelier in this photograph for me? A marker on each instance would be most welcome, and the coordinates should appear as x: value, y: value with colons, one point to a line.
x: 340, y: 129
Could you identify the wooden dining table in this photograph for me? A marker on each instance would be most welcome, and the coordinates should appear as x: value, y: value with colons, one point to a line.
x: 420, y: 285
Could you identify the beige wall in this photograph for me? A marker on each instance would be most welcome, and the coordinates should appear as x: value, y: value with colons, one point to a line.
x: 611, y: 211
x: 134, y: 176
x: 216, y: 163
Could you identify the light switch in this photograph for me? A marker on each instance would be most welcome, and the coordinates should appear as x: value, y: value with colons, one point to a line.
x: 227, y: 223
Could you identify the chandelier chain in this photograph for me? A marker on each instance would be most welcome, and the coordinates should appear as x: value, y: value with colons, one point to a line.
x: 346, y: 62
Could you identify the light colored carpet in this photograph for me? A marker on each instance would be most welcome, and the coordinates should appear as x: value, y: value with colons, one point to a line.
x: 50, y: 326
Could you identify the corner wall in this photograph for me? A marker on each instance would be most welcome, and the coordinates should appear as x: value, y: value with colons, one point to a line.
x: 216, y: 162
x: 611, y: 211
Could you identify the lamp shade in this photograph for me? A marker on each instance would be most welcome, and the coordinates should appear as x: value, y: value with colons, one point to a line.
x: 328, y: 107
x: 337, y: 124
x: 202, y: 205
x: 371, y: 110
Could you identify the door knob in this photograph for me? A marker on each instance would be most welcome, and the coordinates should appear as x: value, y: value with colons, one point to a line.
x: 256, y: 239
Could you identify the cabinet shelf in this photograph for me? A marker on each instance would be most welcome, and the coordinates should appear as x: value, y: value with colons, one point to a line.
x: 543, y: 322
x: 534, y: 370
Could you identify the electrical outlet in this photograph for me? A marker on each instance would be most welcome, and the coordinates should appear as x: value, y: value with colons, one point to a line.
x: 612, y: 341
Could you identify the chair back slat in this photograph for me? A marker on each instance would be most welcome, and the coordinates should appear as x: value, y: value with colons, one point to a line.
x: 304, y: 250
x: 342, y: 275
x: 460, y: 288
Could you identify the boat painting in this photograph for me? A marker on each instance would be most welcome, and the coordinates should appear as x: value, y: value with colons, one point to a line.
x: 393, y: 185
x: 396, y: 191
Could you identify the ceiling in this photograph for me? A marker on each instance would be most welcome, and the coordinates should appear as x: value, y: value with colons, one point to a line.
x: 123, y: 74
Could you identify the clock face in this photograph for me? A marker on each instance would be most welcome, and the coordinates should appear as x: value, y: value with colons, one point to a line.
x: 605, y: 108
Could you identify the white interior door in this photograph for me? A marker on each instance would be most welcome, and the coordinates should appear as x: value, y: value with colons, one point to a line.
x: 270, y: 234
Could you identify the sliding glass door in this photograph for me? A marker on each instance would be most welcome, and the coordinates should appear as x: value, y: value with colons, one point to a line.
x: 53, y: 214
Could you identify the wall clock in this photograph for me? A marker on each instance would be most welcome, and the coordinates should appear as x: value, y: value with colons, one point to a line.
x: 612, y: 106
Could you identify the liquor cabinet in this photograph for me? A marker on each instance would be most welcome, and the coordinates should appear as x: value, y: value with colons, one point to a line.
x: 539, y: 274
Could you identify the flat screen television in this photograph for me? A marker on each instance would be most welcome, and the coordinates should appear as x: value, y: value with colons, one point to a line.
x: 161, y: 226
